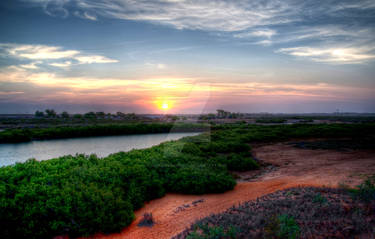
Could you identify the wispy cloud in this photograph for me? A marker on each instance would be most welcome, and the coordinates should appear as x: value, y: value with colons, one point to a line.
x: 94, y: 59
x: 52, y: 55
x: 332, y: 55
x: 219, y: 15
x: 261, y: 22
x: 159, y: 66
x: 267, y: 33
x: 62, y: 64
x: 37, y: 52
x: 31, y: 66
x: 23, y: 85
x: 85, y: 15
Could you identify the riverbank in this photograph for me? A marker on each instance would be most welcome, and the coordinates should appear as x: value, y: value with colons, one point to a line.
x: 296, y: 167
x: 26, y: 135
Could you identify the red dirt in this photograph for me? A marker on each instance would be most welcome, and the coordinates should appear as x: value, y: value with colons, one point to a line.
x: 297, y: 167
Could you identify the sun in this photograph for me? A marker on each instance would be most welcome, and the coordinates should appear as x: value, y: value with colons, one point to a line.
x: 165, y: 106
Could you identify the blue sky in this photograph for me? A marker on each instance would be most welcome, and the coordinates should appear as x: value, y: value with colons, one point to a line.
x: 195, y: 56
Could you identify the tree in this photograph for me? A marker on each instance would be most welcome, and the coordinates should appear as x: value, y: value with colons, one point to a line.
x: 120, y: 115
x: 90, y: 115
x: 39, y: 113
x: 100, y: 114
x: 77, y: 116
x: 51, y: 113
x: 222, y: 113
x: 64, y: 114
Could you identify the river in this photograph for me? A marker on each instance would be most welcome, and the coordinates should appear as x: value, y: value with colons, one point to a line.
x: 101, y: 146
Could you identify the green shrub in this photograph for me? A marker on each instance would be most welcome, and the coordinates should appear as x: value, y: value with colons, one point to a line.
x: 240, y: 163
x: 203, y: 231
x: 319, y: 199
x: 282, y: 227
x: 366, y: 190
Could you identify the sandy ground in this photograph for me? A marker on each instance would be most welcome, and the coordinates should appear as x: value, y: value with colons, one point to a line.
x: 297, y: 167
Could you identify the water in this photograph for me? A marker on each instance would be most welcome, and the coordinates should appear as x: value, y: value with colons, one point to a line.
x: 101, y: 146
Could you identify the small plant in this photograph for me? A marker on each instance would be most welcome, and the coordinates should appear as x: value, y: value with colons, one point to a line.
x: 147, y: 220
x: 282, y: 227
x: 320, y: 199
x: 366, y: 190
x: 203, y: 231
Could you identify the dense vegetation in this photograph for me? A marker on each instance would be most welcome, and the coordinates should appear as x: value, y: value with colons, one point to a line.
x: 258, y: 133
x: 24, y: 135
x: 270, y: 120
x: 81, y: 195
x: 294, y: 213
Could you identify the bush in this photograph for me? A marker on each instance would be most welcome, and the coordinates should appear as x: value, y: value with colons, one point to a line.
x: 241, y: 163
x: 214, y: 232
x: 366, y: 190
x: 147, y: 220
x: 282, y: 227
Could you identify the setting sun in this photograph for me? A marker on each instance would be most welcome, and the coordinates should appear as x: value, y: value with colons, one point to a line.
x: 165, y: 106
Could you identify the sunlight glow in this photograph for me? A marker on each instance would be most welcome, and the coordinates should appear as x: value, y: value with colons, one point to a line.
x: 164, y: 106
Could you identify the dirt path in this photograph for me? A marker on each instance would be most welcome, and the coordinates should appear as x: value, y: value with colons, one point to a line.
x: 297, y: 167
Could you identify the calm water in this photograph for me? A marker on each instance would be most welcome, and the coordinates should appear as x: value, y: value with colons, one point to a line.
x: 101, y: 146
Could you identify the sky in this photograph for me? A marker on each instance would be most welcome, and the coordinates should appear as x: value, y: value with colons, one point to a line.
x: 187, y: 56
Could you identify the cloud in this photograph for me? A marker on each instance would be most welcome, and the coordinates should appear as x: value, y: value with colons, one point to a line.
x: 94, y: 59
x: 339, y: 55
x: 2, y: 93
x: 85, y: 15
x: 260, y: 22
x: 267, y: 33
x: 37, y: 52
x: 61, y: 65
x: 51, y: 55
x: 159, y: 66
x: 31, y: 66
x: 55, y: 8
x: 219, y: 15
x: 45, y: 88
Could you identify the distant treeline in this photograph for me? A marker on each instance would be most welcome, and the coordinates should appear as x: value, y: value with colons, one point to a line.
x: 81, y: 195
x: 266, y: 133
x: 51, y: 113
x: 24, y: 135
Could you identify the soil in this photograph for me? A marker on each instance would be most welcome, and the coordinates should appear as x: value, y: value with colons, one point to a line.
x: 285, y: 166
